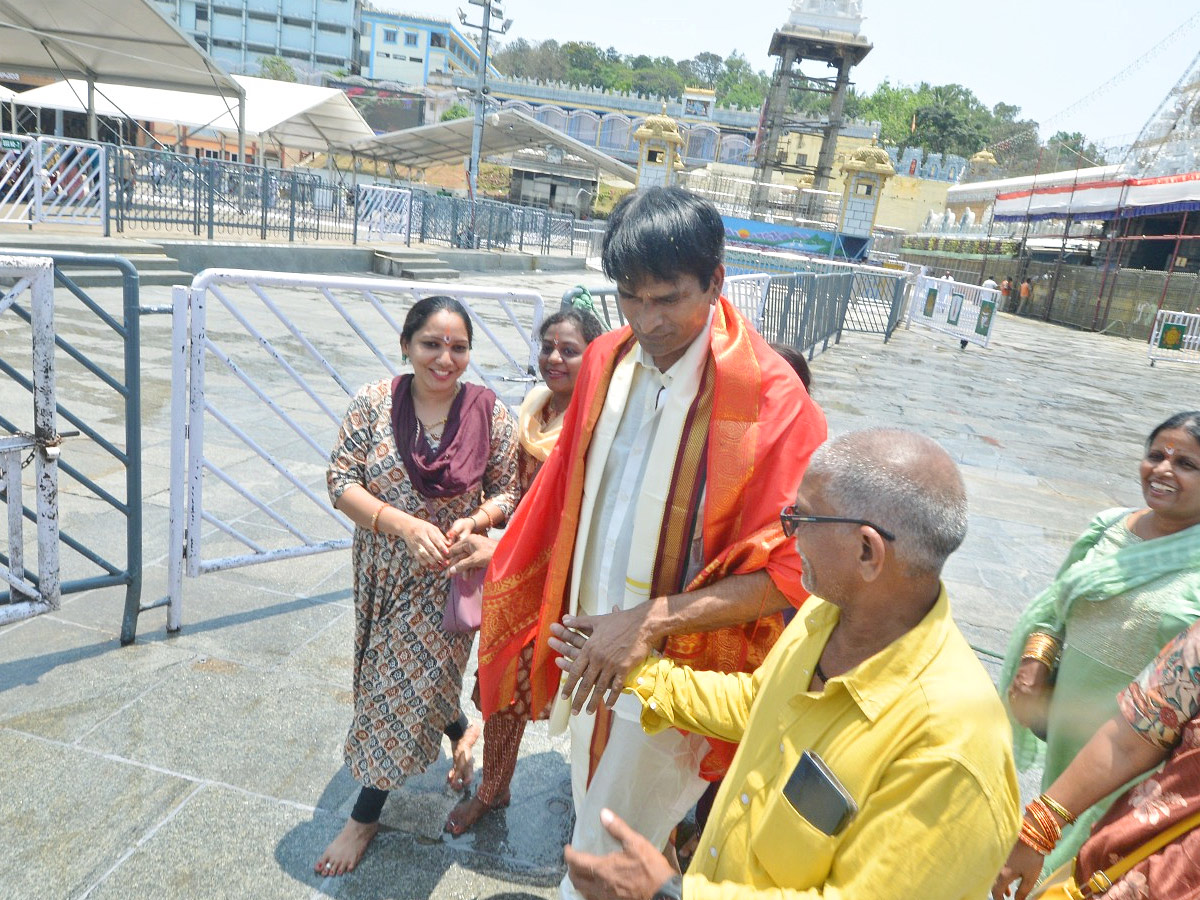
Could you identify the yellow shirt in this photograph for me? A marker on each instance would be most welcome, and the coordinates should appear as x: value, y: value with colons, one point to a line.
x: 916, y: 734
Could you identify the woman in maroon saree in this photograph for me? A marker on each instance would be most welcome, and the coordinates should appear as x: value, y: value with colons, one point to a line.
x: 1160, y: 720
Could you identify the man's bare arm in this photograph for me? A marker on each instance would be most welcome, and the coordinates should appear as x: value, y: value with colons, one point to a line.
x: 620, y: 640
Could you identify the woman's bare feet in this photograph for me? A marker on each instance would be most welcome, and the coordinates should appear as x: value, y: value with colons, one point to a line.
x: 463, y: 771
x: 345, y: 851
x: 468, y: 811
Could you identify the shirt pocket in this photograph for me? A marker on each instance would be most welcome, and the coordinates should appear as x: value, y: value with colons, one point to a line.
x: 793, y: 852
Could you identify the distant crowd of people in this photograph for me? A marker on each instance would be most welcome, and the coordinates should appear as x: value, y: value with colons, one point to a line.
x: 728, y: 610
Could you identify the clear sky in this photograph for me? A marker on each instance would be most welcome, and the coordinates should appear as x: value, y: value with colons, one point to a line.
x: 1044, y: 56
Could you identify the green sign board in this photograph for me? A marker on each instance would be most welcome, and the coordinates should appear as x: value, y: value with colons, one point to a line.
x: 956, y: 305
x: 10, y: 143
x: 1172, y: 336
x: 987, y: 311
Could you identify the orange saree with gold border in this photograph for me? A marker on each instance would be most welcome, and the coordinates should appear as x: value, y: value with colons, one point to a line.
x: 762, y: 429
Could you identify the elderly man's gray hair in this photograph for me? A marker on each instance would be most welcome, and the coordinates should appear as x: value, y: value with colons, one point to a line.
x: 903, y: 482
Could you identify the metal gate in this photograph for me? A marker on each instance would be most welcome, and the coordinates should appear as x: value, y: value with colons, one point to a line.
x: 53, y: 179
x: 94, y: 369
x: 385, y: 213
x: 265, y: 364
x: 876, y: 301
x: 28, y: 594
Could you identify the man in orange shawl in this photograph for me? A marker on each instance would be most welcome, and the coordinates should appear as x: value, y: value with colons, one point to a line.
x: 685, y: 437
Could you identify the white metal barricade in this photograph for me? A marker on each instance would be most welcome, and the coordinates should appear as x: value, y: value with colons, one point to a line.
x: 52, y: 179
x: 265, y: 364
x: 964, y: 311
x: 385, y: 212
x: 1176, y: 337
x: 35, y: 276
x: 749, y: 294
x: 18, y: 177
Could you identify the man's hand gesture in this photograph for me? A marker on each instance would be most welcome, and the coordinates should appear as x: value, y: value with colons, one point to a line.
x: 635, y: 872
x: 598, y: 652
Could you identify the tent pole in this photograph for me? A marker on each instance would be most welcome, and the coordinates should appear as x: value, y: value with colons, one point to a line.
x: 242, y: 128
x: 93, y: 131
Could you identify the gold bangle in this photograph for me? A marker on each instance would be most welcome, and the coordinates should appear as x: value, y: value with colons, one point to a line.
x: 1045, y: 648
x: 1057, y: 808
x: 487, y: 512
x: 375, y: 518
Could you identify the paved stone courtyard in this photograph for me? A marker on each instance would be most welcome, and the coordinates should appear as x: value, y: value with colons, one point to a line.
x: 208, y: 764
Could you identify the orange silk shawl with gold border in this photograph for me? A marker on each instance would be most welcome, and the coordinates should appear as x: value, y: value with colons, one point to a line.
x: 763, y: 429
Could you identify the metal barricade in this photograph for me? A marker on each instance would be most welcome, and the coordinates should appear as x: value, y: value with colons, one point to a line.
x: 876, y: 301
x: 806, y: 310
x: 18, y: 178
x: 385, y: 213
x: 963, y: 311
x: 1176, y: 337
x: 159, y: 190
x: 28, y: 594
x: 104, y: 462
x: 264, y: 366
x: 749, y: 294
x: 52, y: 179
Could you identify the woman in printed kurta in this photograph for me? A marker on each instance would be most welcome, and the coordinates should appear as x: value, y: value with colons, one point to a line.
x: 421, y: 462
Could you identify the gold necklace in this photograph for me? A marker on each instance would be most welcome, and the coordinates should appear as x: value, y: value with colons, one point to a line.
x: 434, y: 430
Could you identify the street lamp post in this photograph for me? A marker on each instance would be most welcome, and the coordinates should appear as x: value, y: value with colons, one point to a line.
x: 490, y: 8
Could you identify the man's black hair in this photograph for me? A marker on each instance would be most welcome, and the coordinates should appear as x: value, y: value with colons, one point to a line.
x: 663, y: 233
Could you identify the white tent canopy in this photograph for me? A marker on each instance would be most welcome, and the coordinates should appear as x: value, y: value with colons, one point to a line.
x: 123, y: 41
x: 300, y: 116
x: 505, y: 131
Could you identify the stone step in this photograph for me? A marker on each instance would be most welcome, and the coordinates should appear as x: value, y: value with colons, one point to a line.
x: 418, y: 265
x: 113, y: 278
x: 429, y: 272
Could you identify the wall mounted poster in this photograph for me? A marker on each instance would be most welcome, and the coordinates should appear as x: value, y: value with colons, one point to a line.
x: 749, y: 233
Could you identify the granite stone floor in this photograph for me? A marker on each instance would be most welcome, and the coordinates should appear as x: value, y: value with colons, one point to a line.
x: 208, y: 764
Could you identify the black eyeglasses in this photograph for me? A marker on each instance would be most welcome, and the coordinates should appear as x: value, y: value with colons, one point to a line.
x: 789, y: 519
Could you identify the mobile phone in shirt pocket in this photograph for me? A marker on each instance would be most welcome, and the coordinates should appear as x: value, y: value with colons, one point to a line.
x: 817, y: 795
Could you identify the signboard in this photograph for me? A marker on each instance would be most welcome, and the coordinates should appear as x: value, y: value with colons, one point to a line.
x: 10, y: 143
x: 956, y: 305
x: 987, y: 312
x: 748, y: 232
x: 1173, y: 336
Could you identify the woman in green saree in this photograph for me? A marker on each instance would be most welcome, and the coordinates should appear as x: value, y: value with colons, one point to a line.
x: 1129, y: 584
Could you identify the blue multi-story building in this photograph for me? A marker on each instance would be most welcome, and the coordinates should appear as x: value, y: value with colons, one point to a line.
x: 399, y: 47
x: 312, y: 35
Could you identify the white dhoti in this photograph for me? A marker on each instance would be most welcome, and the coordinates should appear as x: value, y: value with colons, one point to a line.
x: 650, y: 781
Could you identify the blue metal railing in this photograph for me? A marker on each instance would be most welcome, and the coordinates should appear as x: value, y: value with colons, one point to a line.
x: 128, y: 387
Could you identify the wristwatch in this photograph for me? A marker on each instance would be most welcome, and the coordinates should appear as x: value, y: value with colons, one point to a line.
x: 671, y: 889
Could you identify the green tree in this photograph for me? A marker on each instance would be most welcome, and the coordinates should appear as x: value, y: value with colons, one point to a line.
x: 277, y: 68
x: 457, y: 111
x: 739, y: 85
x: 1073, y: 151
x: 708, y: 68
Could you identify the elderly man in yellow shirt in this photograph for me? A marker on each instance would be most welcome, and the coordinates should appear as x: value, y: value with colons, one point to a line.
x: 874, y: 758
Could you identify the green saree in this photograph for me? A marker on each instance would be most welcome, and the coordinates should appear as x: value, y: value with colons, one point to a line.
x: 1116, y: 601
